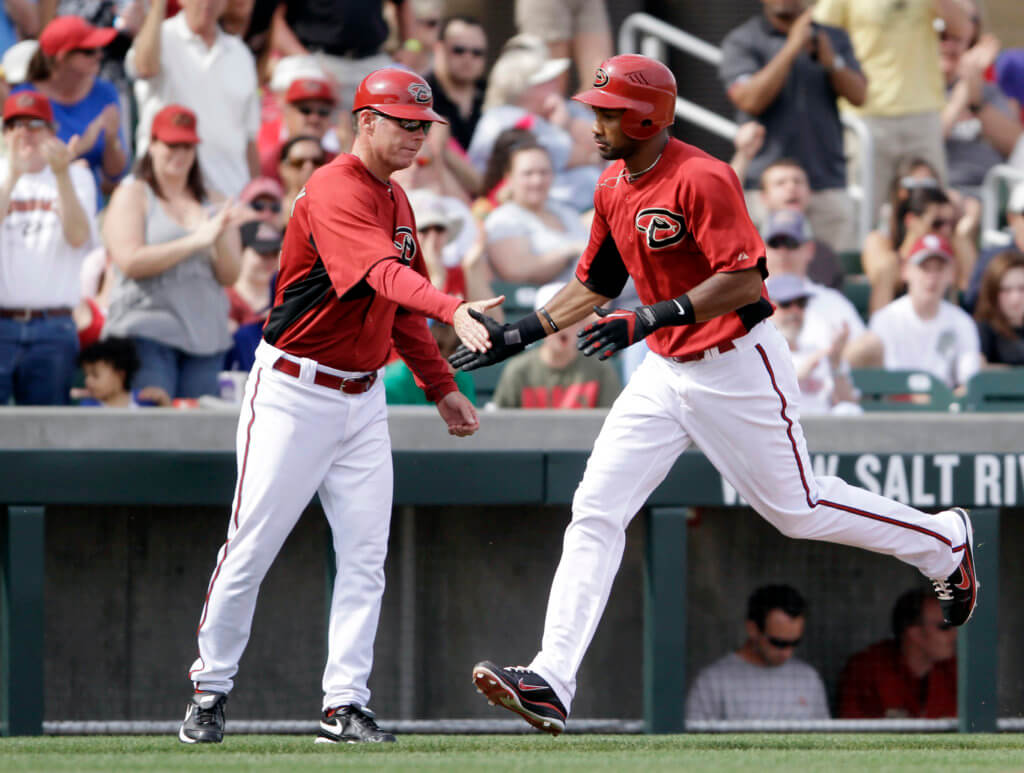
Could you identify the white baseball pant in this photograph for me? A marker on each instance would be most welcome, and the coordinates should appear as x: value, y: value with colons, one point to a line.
x: 741, y: 408
x: 296, y: 438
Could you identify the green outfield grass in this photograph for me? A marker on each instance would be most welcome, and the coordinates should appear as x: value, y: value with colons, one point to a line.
x: 748, y: 753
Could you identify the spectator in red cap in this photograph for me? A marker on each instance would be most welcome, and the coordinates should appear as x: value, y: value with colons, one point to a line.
x: 47, y: 205
x: 188, y: 60
x: 65, y: 68
x: 922, y: 330
x: 308, y: 106
x: 173, y: 253
x: 264, y: 197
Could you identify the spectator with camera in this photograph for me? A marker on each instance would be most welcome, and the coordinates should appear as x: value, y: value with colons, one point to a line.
x: 763, y: 679
x: 48, y: 205
x: 787, y: 73
x: 912, y: 675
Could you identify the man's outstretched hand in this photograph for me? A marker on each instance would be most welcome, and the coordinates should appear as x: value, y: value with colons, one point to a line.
x: 505, y: 341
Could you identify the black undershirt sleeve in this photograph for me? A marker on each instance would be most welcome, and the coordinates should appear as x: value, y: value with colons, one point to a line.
x: 608, y: 273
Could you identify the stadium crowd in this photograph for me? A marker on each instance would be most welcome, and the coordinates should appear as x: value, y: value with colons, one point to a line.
x: 152, y: 150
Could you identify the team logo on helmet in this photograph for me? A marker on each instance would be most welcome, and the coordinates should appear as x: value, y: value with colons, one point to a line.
x: 663, y: 227
x: 600, y: 78
x: 405, y: 244
x: 420, y: 92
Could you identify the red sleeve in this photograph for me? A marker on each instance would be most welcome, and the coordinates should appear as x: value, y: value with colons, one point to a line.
x: 348, y: 232
x: 399, y: 283
x: 857, y: 698
x: 418, y: 348
x: 717, y: 217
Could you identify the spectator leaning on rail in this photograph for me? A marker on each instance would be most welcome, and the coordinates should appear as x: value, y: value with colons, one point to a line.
x: 188, y: 60
x: 762, y: 679
x: 48, y: 205
x: 896, y: 43
x: 912, y: 675
x: 784, y: 71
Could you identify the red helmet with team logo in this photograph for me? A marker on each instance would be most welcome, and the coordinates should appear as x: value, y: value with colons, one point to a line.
x: 398, y: 93
x: 643, y: 87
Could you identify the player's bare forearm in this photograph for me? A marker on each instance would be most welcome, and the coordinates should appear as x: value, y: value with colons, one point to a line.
x: 571, y: 304
x: 724, y: 292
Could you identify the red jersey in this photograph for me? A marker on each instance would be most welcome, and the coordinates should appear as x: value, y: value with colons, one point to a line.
x: 345, y: 270
x: 670, y: 230
x: 877, y: 683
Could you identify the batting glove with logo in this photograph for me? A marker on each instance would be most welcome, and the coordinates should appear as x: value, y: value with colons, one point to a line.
x: 621, y: 328
x: 506, y: 340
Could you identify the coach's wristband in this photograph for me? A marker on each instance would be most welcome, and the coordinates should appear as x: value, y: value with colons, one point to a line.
x: 678, y: 311
x: 524, y: 331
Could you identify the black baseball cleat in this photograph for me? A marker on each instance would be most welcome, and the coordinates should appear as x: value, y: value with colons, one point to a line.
x: 204, y: 718
x: 958, y: 593
x: 523, y: 691
x: 351, y: 724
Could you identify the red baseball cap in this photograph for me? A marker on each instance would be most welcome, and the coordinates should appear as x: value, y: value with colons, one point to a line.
x: 66, y: 33
x: 30, y: 104
x: 930, y: 246
x: 310, y: 88
x: 174, y: 124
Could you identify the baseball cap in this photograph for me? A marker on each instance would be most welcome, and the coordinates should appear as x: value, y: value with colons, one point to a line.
x: 173, y: 124
x: 290, y: 68
x: 1010, y: 73
x: 784, y: 288
x: 1016, y: 203
x: 930, y: 246
x: 260, y: 236
x: 66, y: 33
x: 786, y: 224
x: 261, y: 186
x: 430, y: 211
x: 310, y: 88
x: 28, y: 104
x: 15, y: 61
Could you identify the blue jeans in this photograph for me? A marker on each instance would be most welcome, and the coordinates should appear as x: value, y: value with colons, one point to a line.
x: 37, y: 360
x: 181, y: 374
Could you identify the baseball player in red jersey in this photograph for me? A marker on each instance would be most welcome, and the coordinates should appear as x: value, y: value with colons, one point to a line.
x: 719, y: 376
x: 314, y: 421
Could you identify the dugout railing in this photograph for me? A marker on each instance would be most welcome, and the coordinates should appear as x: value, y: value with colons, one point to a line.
x: 82, y: 456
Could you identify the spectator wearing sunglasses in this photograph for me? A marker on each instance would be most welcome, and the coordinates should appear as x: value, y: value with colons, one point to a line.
x: 823, y: 375
x: 763, y: 679
x: 460, y: 57
x: 299, y: 158
x: 65, y: 69
x: 789, y: 249
x: 48, y: 206
x: 309, y: 104
x: 263, y: 196
x: 912, y: 675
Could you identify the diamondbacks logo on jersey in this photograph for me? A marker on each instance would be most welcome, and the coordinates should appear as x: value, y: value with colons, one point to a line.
x: 662, y: 226
x: 405, y: 244
x: 421, y: 93
x: 600, y: 78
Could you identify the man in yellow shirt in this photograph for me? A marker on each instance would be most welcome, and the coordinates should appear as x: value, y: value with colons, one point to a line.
x: 897, y: 44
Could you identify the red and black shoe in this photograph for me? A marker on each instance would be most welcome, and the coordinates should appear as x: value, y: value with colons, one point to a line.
x: 958, y: 593
x: 523, y: 691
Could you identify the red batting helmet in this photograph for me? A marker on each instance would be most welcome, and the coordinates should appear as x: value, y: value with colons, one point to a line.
x: 643, y: 87
x: 398, y: 93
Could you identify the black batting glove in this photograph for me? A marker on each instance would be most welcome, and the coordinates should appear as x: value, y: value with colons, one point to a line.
x: 620, y: 328
x: 506, y: 340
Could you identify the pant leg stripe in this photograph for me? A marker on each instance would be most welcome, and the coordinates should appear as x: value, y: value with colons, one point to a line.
x: 825, y: 502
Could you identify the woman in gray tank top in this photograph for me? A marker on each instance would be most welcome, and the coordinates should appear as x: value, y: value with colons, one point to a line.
x: 173, y: 255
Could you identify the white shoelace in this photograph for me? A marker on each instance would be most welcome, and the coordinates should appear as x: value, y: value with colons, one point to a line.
x: 942, y: 589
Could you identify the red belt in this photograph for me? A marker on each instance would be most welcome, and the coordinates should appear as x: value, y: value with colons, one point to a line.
x: 725, y: 346
x: 350, y: 386
x: 24, y: 315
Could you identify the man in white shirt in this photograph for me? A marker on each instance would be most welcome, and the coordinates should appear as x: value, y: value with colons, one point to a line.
x: 188, y: 60
x: 48, y: 208
x: 762, y: 679
x: 922, y: 330
x: 789, y: 248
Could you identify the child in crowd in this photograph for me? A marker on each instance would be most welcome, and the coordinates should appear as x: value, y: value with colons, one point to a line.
x: 109, y: 366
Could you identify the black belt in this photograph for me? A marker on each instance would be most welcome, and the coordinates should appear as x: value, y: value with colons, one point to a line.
x: 24, y: 315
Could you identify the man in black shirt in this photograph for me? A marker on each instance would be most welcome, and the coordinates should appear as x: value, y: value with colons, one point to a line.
x: 459, y: 59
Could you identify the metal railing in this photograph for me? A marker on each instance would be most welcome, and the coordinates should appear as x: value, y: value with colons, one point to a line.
x: 648, y: 35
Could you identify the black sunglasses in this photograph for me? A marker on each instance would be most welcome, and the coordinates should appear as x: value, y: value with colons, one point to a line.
x: 323, y: 112
x: 298, y: 163
x: 87, y: 51
x: 783, y: 644
x: 800, y: 303
x: 784, y: 242
x: 429, y: 23
x: 407, y: 124
x: 463, y: 50
x: 32, y: 124
x: 429, y: 228
x: 266, y: 206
